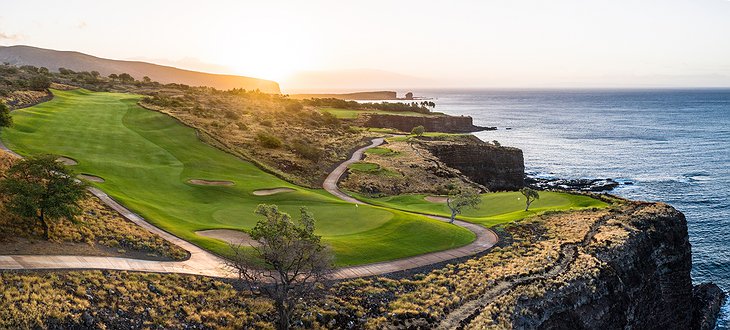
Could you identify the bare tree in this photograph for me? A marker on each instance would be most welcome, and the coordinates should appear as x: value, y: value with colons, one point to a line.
x: 288, y: 262
x: 530, y: 196
x: 459, y: 200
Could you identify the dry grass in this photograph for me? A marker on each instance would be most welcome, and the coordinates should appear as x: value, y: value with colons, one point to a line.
x: 418, y: 171
x: 95, y: 299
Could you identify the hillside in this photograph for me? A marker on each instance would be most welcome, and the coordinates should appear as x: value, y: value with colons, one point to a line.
x: 361, y: 96
x: 54, y: 59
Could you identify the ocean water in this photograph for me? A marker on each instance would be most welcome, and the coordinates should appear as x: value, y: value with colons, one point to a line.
x: 674, y: 145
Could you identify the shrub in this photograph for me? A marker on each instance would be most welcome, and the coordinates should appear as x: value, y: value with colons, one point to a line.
x: 307, y: 151
x: 39, y: 83
x: 330, y: 120
x: 268, y: 140
x: 230, y: 114
x: 294, y: 106
x: 418, y: 130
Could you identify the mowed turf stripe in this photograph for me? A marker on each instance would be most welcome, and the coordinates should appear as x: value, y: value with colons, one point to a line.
x: 147, y: 157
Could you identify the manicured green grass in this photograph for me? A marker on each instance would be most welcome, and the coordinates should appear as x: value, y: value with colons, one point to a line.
x: 372, y: 168
x: 353, y: 114
x: 147, y: 159
x: 443, y: 136
x: 364, y: 167
x: 381, y: 151
x: 380, y: 130
x: 495, y: 208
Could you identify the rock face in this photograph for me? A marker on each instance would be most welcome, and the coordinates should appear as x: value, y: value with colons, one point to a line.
x: 645, y: 284
x: 446, y: 124
x: 497, y: 168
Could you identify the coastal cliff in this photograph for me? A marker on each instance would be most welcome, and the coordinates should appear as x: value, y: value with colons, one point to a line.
x: 643, y: 283
x: 623, y: 266
x: 446, y: 124
x: 497, y: 168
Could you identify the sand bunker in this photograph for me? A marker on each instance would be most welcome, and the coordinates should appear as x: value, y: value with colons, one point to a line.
x: 267, y: 192
x: 91, y: 178
x: 436, y: 199
x: 67, y: 161
x: 229, y: 236
x: 210, y: 182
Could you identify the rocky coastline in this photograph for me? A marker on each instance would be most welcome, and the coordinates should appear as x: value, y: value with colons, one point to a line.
x: 592, y: 185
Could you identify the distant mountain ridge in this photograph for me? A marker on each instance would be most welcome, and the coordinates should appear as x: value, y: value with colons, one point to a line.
x: 377, y: 95
x: 54, y: 59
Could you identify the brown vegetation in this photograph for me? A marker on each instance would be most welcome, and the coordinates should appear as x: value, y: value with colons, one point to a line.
x: 416, y: 169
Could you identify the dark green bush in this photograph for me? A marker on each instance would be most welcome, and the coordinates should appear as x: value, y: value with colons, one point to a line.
x: 268, y: 140
x: 307, y: 151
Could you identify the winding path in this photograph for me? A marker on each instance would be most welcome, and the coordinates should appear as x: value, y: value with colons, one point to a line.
x: 202, y: 262
x: 485, y: 238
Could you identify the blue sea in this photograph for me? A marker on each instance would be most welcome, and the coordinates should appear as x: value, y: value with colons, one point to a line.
x: 674, y: 145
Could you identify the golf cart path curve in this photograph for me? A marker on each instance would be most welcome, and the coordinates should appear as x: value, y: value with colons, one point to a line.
x: 485, y: 237
x: 202, y: 262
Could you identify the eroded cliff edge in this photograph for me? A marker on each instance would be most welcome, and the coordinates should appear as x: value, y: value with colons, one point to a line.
x: 630, y: 270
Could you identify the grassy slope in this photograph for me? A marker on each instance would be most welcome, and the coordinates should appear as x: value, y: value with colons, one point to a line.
x: 352, y: 114
x: 495, y: 208
x: 147, y: 158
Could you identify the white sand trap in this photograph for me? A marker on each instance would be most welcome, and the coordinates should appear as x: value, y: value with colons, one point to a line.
x: 229, y: 236
x: 436, y: 199
x: 268, y: 192
x: 90, y: 178
x: 67, y: 161
x: 210, y: 182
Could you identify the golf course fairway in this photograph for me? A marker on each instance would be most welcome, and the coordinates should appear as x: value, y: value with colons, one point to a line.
x: 146, y: 160
x: 494, y: 209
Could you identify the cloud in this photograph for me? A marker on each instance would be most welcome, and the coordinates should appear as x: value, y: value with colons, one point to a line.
x: 11, y: 37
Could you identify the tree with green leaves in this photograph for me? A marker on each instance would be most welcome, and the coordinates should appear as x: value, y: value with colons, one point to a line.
x: 418, y: 130
x: 44, y: 189
x: 39, y: 83
x: 126, y: 77
x: 462, y: 199
x: 288, y: 259
x: 5, y: 119
x: 530, y: 196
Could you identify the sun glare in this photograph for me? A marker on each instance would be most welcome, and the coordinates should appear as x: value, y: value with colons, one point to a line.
x: 266, y: 58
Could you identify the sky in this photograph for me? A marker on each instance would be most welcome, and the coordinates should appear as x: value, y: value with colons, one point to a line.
x: 487, y: 43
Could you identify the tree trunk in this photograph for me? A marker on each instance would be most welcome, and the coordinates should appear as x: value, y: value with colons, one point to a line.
x: 282, y: 305
x: 528, y: 206
x: 283, y: 315
x: 453, y: 217
x: 46, y: 228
